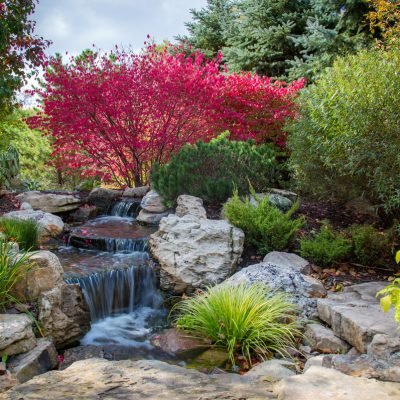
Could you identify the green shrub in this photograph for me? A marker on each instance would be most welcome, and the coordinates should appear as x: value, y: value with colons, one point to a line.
x: 9, y: 166
x: 211, y: 170
x: 369, y: 244
x: 264, y: 225
x: 346, y: 141
x: 25, y: 233
x: 244, y: 319
x: 326, y: 247
x: 12, y: 269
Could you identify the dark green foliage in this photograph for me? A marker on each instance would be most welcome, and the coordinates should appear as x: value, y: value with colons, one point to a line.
x: 9, y: 166
x: 264, y: 225
x: 281, y: 38
x: 326, y: 247
x: 369, y: 244
x: 346, y: 143
x: 12, y: 269
x: 25, y: 233
x: 211, y: 170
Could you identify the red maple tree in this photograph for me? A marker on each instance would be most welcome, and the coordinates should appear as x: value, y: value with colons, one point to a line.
x: 114, y: 115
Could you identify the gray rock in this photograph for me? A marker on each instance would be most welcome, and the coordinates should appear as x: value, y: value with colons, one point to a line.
x: 290, y: 260
x: 148, y: 218
x: 271, y: 371
x: 285, y: 193
x: 26, y: 206
x: 355, y: 315
x: 103, y: 198
x: 82, y: 214
x: 50, y: 202
x: 136, y: 192
x: 317, y: 361
x: 283, y: 203
x: 16, y: 334
x: 194, y: 253
x: 50, y: 225
x: 327, y: 384
x: 323, y: 340
x: 190, y: 205
x: 46, y: 274
x: 64, y: 315
x: 145, y: 379
x: 152, y: 203
x: 42, y: 358
x: 302, y: 289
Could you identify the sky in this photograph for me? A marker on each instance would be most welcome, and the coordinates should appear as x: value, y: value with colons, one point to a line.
x: 75, y: 25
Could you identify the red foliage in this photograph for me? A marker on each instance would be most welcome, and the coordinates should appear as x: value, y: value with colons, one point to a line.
x: 115, y: 115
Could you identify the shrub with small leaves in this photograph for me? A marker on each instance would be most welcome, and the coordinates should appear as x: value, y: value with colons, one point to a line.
x: 265, y: 226
x: 326, y: 247
x: 369, y: 244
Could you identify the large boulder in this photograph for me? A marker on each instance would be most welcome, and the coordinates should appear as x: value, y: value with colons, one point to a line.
x: 302, y: 289
x: 288, y: 260
x: 190, y: 205
x: 153, y: 203
x: 144, y: 379
x: 355, y: 315
x: 103, y: 198
x: 136, y: 192
x: 16, y: 334
x: 50, y: 202
x: 327, y: 384
x: 46, y: 274
x: 64, y: 315
x: 42, y: 358
x: 50, y: 225
x: 195, y: 253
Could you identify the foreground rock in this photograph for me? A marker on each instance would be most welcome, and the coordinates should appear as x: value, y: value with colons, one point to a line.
x: 190, y: 205
x: 303, y: 290
x: 42, y: 358
x: 50, y: 202
x: 355, y: 315
x: 16, y: 334
x: 194, y: 253
x: 323, y: 340
x: 50, y: 225
x: 327, y: 384
x: 146, y: 379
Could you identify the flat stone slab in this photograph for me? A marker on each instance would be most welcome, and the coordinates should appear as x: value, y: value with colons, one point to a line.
x: 145, y: 379
x: 323, y: 340
x: 50, y: 202
x: 355, y: 315
x: 327, y: 384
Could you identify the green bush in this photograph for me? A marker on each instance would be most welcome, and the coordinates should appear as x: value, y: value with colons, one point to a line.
x: 25, y: 233
x: 346, y: 141
x: 326, y: 247
x: 244, y: 319
x: 12, y: 269
x: 9, y: 166
x: 369, y: 244
x: 211, y: 170
x: 264, y: 225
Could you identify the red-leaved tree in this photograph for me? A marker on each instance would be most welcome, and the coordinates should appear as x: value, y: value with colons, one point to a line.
x: 114, y: 115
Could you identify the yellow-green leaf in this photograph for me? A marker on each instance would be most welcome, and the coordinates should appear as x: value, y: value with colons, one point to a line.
x: 398, y: 257
x: 386, y: 302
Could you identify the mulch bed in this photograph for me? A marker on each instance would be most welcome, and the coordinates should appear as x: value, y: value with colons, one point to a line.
x: 8, y: 203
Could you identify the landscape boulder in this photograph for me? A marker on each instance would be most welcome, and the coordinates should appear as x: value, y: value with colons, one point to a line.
x: 323, y: 340
x: 195, y: 252
x: 50, y: 226
x: 190, y: 205
x: 103, y: 198
x: 136, y: 192
x: 16, y: 334
x: 50, y: 202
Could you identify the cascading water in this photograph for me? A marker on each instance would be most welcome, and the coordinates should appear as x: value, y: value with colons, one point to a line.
x: 120, y: 289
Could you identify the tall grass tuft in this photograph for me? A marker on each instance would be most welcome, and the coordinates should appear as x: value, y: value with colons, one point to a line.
x: 25, y: 233
x: 12, y: 268
x: 244, y: 319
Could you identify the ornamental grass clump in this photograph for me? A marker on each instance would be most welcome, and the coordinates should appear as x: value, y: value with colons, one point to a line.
x: 25, y: 233
x: 13, y: 267
x: 247, y: 320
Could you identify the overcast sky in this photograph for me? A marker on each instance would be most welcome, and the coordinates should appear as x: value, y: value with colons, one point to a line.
x: 74, y: 25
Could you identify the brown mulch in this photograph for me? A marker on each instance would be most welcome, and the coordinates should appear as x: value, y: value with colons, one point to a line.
x: 8, y: 203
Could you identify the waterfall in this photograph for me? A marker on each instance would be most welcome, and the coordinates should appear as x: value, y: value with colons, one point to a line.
x: 119, y: 290
x: 125, y: 245
x: 125, y: 209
